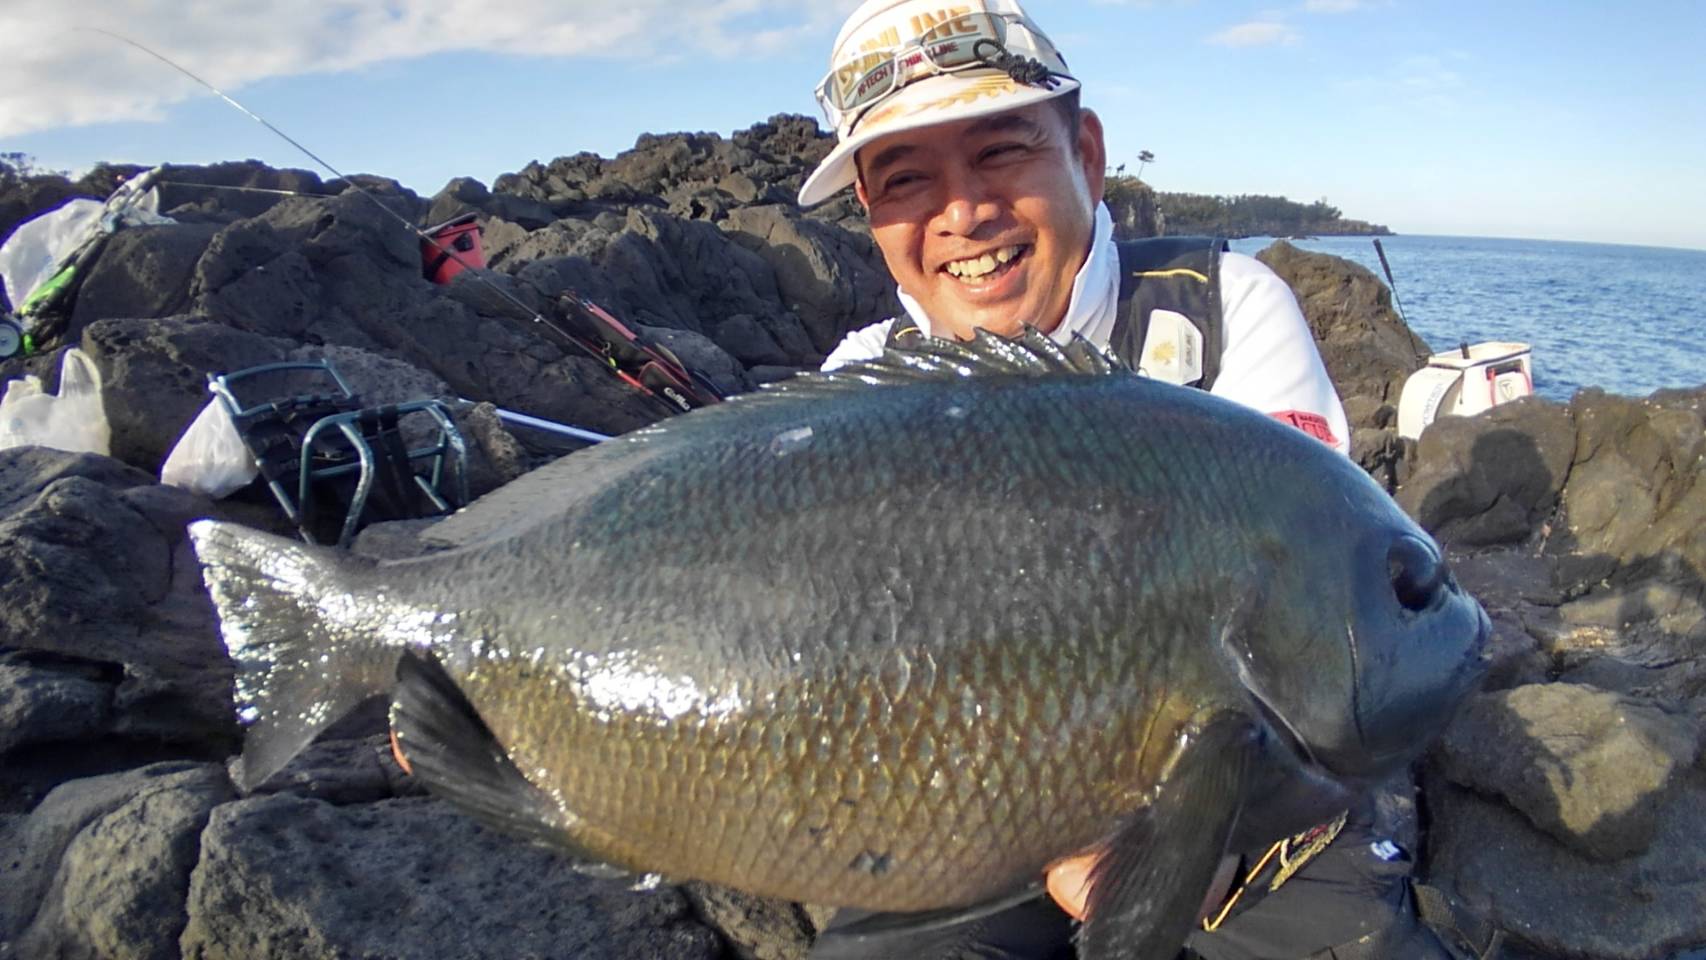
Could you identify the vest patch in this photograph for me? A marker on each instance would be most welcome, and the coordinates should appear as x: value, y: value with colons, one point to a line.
x: 1172, y: 349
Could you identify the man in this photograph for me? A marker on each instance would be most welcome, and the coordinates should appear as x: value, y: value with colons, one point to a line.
x: 960, y: 130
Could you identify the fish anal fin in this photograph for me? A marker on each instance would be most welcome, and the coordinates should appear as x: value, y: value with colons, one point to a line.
x: 912, y: 931
x: 451, y: 750
x: 1150, y: 878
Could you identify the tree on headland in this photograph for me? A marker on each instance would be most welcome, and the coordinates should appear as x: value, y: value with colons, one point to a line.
x: 1256, y: 215
x: 1143, y: 157
x: 16, y: 167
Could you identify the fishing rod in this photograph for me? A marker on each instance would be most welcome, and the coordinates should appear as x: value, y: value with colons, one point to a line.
x: 1390, y: 283
x: 550, y: 426
x: 1393, y: 286
x: 675, y: 387
x: 234, y: 188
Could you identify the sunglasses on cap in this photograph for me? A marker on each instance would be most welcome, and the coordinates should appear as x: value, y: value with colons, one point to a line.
x: 962, y: 43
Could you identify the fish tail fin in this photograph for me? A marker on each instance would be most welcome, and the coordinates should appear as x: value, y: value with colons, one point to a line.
x: 301, y: 662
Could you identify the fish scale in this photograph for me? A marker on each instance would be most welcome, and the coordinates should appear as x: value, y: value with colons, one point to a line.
x: 894, y: 647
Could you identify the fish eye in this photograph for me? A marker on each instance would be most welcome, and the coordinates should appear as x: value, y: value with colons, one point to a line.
x: 1417, y: 573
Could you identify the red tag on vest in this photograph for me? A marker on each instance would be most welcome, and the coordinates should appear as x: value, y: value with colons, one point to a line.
x: 1311, y: 423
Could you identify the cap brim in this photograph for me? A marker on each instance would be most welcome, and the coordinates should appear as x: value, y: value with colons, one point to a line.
x: 947, y: 98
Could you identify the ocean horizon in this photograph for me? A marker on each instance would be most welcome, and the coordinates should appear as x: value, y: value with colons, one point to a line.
x: 1623, y: 317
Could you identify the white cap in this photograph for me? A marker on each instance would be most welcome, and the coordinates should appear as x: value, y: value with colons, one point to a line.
x: 925, y: 96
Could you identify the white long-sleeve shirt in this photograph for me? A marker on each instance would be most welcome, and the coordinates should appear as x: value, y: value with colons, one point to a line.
x: 1268, y: 362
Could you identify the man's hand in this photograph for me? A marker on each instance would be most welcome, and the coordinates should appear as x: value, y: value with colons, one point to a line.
x: 1069, y: 884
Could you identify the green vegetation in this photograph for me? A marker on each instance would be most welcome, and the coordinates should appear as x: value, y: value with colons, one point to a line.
x: 1249, y: 215
x: 16, y: 167
x: 1254, y: 215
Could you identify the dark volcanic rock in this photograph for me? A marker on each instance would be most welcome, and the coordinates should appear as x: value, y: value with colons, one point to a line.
x: 44, y: 699
x: 1132, y: 204
x: 831, y: 279
x: 1635, y: 512
x: 287, y: 877
x: 1491, y: 478
x: 99, y: 869
x: 1559, y: 903
x: 1590, y: 768
x: 345, y: 771
x: 680, y: 273
x: 154, y: 376
x: 754, y: 927
x: 1368, y: 350
x: 223, y: 192
x: 97, y: 583
x: 142, y: 272
x: 466, y: 195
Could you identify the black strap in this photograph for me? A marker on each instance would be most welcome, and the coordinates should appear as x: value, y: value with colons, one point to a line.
x: 394, y: 477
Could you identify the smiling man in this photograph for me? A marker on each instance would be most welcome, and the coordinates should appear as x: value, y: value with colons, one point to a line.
x: 960, y: 129
x: 985, y: 222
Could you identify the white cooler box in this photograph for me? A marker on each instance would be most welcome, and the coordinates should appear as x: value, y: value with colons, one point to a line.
x: 1464, y: 381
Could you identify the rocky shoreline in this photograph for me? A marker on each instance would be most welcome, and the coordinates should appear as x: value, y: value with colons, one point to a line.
x: 1567, y: 805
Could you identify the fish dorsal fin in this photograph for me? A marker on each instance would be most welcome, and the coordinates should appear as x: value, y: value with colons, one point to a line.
x: 1031, y: 354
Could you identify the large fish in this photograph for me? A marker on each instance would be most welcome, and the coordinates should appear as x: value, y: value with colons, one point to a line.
x: 897, y: 647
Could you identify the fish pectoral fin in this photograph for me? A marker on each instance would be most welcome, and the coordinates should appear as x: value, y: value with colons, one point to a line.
x: 914, y: 930
x: 1151, y: 876
x: 451, y: 750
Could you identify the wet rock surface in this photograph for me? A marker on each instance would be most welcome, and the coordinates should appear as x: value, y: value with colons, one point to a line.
x: 1563, y: 805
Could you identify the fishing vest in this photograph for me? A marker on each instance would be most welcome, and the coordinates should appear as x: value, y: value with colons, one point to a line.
x: 1168, y: 324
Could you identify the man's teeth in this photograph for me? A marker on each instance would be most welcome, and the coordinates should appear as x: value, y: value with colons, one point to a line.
x: 980, y: 266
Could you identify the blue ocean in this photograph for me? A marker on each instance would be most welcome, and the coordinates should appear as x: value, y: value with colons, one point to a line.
x: 1629, y: 319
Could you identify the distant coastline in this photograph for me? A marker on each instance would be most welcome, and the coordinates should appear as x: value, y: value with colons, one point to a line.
x: 1145, y: 211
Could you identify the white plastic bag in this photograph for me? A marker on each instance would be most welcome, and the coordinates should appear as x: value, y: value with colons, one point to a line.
x: 74, y: 420
x: 36, y: 250
x: 210, y: 457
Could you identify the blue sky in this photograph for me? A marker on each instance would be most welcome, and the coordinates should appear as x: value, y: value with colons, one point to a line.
x: 1558, y: 120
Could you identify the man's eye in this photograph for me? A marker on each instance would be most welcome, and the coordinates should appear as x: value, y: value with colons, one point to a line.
x: 1004, y: 151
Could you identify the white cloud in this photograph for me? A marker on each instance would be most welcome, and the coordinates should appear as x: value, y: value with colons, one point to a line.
x: 1255, y: 33
x: 1333, y: 6
x: 1420, y: 83
x: 1427, y: 74
x: 53, y: 74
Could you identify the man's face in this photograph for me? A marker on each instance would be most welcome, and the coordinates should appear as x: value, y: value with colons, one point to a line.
x: 986, y: 222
